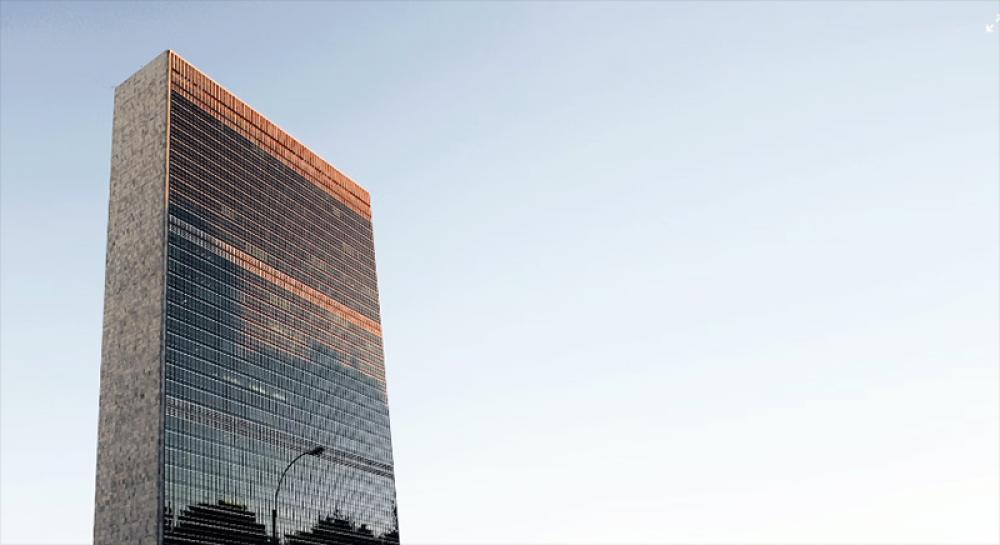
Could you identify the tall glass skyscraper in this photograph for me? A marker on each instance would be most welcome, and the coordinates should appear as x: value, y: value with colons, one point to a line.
x: 241, y: 330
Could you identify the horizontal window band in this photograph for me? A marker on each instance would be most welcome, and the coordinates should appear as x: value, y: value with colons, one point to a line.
x: 281, y: 279
x: 225, y: 422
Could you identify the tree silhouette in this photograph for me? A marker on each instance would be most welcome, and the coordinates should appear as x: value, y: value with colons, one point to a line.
x: 219, y: 524
x: 226, y: 523
x: 339, y: 530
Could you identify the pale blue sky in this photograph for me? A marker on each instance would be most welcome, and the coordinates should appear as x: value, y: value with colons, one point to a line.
x: 664, y: 272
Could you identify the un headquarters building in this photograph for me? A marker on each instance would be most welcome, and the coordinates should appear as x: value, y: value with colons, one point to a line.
x: 243, y: 396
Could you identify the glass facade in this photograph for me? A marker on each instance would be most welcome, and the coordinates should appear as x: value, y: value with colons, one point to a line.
x: 272, y: 341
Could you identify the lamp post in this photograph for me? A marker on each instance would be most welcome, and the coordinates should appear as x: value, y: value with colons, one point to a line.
x: 315, y: 451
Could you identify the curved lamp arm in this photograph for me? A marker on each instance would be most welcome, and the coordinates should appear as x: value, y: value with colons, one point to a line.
x: 315, y: 451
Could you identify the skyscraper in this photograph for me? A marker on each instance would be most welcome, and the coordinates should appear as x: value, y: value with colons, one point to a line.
x: 241, y: 330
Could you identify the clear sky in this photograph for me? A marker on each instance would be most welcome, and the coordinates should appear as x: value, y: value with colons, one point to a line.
x: 668, y: 272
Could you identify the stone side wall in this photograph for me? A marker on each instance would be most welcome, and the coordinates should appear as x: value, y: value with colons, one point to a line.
x: 127, y: 510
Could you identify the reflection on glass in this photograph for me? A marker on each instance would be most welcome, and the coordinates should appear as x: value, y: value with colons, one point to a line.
x: 272, y: 347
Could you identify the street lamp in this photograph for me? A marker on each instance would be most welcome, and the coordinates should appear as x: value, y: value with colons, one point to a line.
x: 315, y: 451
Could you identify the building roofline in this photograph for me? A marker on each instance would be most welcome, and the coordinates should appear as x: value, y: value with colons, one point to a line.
x: 366, y: 194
